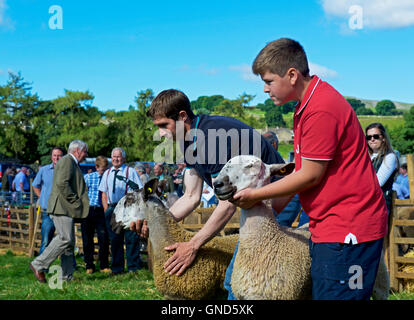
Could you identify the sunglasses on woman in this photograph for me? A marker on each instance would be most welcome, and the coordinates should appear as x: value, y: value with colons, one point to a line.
x: 375, y: 136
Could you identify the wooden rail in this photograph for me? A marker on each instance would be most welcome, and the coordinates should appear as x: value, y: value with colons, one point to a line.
x: 400, y: 240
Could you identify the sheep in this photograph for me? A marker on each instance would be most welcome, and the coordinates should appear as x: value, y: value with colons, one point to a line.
x: 272, y: 262
x: 205, y: 277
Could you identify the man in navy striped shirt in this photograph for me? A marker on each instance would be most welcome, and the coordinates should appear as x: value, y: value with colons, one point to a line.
x: 95, y: 220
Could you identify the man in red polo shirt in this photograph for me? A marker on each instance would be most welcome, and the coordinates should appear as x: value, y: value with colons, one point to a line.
x: 334, y: 177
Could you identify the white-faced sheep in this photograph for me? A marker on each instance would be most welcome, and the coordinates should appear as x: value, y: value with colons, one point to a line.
x: 205, y: 277
x: 272, y: 262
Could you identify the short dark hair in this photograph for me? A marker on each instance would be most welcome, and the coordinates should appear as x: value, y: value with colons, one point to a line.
x: 280, y: 55
x: 58, y: 148
x: 404, y: 166
x: 271, y: 137
x: 169, y: 103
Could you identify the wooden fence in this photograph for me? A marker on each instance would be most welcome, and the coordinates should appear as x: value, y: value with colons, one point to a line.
x: 16, y: 227
x: 401, y: 235
x: 20, y: 228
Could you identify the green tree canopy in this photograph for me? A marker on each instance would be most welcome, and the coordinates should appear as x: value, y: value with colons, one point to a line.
x: 17, y: 109
x: 386, y: 108
x: 403, y: 137
x: 274, y: 118
x: 206, y: 104
x: 284, y: 108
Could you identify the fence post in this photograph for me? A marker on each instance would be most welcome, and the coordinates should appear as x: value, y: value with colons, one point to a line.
x: 31, y: 192
x: 410, y: 170
x: 31, y: 225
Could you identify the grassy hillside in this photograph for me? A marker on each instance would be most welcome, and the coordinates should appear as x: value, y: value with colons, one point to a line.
x: 372, y: 103
x: 390, y: 122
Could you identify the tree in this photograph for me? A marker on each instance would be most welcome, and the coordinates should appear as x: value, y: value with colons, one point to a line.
x: 205, y: 104
x: 386, y: 108
x: 237, y: 109
x: 355, y: 104
x: 274, y: 118
x: 403, y: 137
x: 364, y: 111
x: 133, y: 130
x: 284, y: 108
x: 17, y: 108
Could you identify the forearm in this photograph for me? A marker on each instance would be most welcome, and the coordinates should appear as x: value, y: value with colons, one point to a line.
x: 218, y: 219
x: 104, y: 201
x: 278, y: 204
x: 184, y: 206
x: 37, y: 191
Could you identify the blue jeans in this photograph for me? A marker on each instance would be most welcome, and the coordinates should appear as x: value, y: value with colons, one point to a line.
x: 289, y: 213
x: 47, y: 231
x: 343, y: 271
x: 229, y: 271
x: 117, y: 247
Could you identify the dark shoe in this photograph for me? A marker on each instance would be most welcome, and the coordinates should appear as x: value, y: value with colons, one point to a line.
x: 39, y: 275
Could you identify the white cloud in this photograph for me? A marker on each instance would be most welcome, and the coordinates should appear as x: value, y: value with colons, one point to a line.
x: 5, y: 21
x: 376, y: 14
x: 245, y: 72
x: 322, y: 71
x: 200, y: 69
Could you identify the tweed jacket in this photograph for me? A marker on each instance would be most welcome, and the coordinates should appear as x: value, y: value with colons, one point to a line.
x: 69, y: 195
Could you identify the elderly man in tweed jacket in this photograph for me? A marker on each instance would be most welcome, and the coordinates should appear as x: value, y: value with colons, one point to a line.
x: 68, y: 201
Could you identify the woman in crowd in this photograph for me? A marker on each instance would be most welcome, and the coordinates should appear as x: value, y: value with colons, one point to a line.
x: 383, y: 158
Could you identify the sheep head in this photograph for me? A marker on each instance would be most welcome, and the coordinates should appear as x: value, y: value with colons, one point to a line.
x: 246, y: 171
x: 133, y: 206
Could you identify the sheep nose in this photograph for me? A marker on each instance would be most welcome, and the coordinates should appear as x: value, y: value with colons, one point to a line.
x: 218, y: 184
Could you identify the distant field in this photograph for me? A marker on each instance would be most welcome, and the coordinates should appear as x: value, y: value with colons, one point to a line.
x: 390, y: 122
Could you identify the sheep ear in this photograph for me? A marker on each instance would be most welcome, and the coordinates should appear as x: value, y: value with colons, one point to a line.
x: 150, y: 187
x: 281, y: 169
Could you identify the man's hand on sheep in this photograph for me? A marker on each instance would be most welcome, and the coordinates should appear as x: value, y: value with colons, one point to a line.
x: 183, y: 257
x: 140, y: 227
x: 245, y: 198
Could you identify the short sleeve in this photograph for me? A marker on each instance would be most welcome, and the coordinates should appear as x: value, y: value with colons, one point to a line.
x: 37, y: 182
x: 320, y: 136
x: 102, y: 185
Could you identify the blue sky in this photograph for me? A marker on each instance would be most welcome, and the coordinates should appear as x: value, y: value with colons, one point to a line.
x: 115, y: 49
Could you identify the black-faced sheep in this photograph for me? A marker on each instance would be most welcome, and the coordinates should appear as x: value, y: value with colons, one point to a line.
x: 205, y: 277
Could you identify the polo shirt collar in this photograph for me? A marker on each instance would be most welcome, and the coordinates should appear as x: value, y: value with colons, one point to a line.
x: 308, y: 95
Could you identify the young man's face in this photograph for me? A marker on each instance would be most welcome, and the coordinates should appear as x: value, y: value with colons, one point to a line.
x: 166, y: 126
x: 279, y: 88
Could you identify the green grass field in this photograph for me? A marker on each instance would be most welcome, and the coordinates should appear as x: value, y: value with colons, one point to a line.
x: 18, y: 283
x: 390, y: 122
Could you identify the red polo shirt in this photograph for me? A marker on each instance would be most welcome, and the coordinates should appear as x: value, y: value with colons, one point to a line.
x: 347, y: 206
